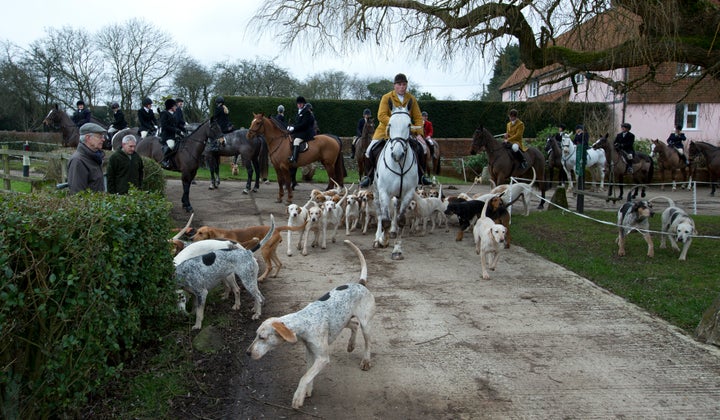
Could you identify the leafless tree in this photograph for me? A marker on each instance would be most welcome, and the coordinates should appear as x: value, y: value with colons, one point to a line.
x: 253, y: 78
x: 140, y: 57
x: 194, y: 83
x: 647, y: 32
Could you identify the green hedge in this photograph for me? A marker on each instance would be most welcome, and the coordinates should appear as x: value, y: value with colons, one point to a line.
x: 451, y: 119
x: 85, y: 281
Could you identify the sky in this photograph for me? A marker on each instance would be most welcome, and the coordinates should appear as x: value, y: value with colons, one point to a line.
x: 216, y: 31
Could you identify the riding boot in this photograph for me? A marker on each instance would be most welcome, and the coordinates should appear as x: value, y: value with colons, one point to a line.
x: 422, y: 179
x: 629, y: 168
x: 352, y: 151
x: 369, y: 174
x: 167, y: 152
x: 519, y: 156
x: 294, y: 156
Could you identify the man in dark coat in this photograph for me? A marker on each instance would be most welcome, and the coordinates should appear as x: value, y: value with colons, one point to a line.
x: 169, y: 131
x: 119, y: 122
x: 125, y: 167
x: 146, y: 119
x: 85, y: 165
x: 82, y: 115
x: 179, y: 116
x: 221, y: 115
x: 625, y: 143
x: 303, y: 129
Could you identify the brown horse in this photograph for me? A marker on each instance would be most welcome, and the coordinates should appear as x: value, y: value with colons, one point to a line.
x: 554, y: 160
x: 188, y: 155
x: 70, y: 132
x: 433, y: 160
x: 712, y: 159
x: 503, y: 165
x: 642, y: 169
x: 668, y: 159
x: 362, y: 145
x: 323, y: 148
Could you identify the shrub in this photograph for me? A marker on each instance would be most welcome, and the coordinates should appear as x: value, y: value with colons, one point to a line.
x: 85, y: 280
x: 476, y: 163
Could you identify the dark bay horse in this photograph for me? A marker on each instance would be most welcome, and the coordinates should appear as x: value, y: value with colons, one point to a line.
x: 642, y: 169
x: 362, y: 145
x: 669, y: 160
x: 188, y: 155
x: 57, y: 118
x: 554, y: 160
x: 433, y: 160
x: 254, y: 154
x: 503, y: 165
x: 323, y: 148
x: 712, y: 159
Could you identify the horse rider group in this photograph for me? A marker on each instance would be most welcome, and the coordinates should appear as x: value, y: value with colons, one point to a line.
x: 398, y: 97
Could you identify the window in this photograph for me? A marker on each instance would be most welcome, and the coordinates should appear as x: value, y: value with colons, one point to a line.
x: 533, y: 89
x: 579, y: 79
x: 691, y: 116
x: 688, y: 70
x: 514, y: 96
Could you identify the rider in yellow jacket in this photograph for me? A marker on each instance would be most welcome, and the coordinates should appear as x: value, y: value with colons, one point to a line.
x: 398, y: 97
x: 514, y: 137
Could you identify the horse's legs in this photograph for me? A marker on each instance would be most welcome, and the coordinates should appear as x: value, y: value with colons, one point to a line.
x: 256, y: 165
x: 249, y: 169
x: 186, y: 196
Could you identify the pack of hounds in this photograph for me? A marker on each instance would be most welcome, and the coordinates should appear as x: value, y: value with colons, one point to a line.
x: 218, y: 255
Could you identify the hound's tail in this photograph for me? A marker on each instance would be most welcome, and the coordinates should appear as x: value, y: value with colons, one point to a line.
x: 669, y: 200
x: 267, y: 235
x: 363, y: 264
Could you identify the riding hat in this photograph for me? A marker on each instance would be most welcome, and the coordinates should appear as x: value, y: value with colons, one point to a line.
x: 301, y: 100
x: 400, y: 78
x: 424, y: 114
x: 626, y: 125
x: 80, y: 103
x: 169, y: 103
x: 580, y: 127
x: 115, y: 105
x: 147, y: 101
x: 220, y: 100
x: 562, y: 126
x: 178, y: 100
x: 90, y: 128
x: 367, y: 112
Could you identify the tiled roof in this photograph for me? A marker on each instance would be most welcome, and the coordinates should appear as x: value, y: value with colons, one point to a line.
x: 663, y: 91
x: 557, y: 96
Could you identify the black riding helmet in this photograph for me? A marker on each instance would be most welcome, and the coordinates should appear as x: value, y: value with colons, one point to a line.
x: 169, y: 103
x: 626, y: 125
x: 115, y: 105
x: 220, y: 100
x: 78, y: 103
x: 147, y: 101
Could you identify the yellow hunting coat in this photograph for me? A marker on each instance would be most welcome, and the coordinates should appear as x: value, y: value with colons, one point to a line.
x: 515, y: 133
x: 385, y: 110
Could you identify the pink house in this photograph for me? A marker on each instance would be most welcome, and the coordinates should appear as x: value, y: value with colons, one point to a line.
x: 653, y: 109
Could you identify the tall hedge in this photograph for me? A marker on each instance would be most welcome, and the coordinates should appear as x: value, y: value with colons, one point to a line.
x: 452, y: 119
x: 85, y: 280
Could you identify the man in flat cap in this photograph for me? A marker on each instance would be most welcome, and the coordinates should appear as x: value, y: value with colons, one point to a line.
x: 85, y: 165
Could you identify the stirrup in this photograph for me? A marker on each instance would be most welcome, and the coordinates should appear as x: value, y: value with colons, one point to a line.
x: 365, y: 182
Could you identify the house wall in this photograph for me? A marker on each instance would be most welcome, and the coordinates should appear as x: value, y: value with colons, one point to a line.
x: 657, y: 121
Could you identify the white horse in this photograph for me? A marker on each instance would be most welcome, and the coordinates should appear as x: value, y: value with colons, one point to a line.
x: 396, y: 175
x: 596, y: 163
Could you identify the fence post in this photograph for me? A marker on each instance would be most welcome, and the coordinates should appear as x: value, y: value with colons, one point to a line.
x: 26, y: 160
x: 6, y: 167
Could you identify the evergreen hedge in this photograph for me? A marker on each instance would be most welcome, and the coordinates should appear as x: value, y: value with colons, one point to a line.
x: 85, y: 281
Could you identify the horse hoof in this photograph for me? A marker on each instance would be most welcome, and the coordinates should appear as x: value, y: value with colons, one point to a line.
x: 397, y: 256
x: 245, y: 191
x: 188, y: 209
x: 254, y: 190
x: 211, y: 187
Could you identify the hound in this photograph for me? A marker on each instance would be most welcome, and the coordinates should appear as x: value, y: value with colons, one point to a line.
x: 199, y: 275
x: 634, y: 216
x: 331, y: 219
x: 352, y: 213
x: 466, y: 212
x: 679, y: 227
x: 367, y: 208
x: 314, y: 225
x: 516, y: 190
x: 488, y: 237
x: 297, y: 216
x: 318, y: 325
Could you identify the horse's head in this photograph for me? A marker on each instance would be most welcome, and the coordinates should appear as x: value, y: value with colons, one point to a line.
x: 256, y: 126
x: 653, y: 146
x: 215, y: 129
x: 399, y: 124
x: 601, y: 143
x: 480, y: 140
x: 53, y: 117
x: 693, y: 150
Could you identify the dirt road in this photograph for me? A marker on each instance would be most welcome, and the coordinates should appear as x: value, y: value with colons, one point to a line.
x: 535, y: 341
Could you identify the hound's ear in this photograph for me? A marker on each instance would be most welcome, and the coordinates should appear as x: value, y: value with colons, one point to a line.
x: 284, y: 332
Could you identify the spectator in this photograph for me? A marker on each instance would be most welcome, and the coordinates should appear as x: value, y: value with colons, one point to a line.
x: 582, y: 143
x: 81, y: 115
x: 119, y: 122
x: 85, y: 165
x: 514, y: 137
x: 180, y: 116
x: 676, y: 140
x: 367, y: 114
x: 125, y: 167
x: 281, y: 115
x: 398, y: 97
x: 303, y: 129
x: 625, y: 143
x: 169, y: 131
x: 146, y: 119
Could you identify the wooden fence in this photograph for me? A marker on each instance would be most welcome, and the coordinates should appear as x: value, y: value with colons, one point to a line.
x: 8, y: 175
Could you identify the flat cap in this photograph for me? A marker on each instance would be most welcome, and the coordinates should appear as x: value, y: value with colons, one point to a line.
x: 90, y: 128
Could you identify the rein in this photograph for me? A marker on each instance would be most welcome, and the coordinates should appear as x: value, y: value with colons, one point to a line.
x: 402, y: 164
x: 256, y: 131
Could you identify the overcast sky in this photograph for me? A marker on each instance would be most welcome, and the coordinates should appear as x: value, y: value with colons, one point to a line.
x: 216, y: 31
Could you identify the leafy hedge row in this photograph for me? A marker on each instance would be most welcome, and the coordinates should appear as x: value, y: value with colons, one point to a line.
x: 451, y: 119
x: 84, y: 281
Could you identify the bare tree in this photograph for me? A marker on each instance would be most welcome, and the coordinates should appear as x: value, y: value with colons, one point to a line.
x: 254, y: 78
x: 327, y: 85
x: 141, y: 59
x: 647, y: 32
x: 21, y: 108
x: 194, y: 83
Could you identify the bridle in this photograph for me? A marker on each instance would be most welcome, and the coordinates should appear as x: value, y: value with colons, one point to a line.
x: 261, y: 125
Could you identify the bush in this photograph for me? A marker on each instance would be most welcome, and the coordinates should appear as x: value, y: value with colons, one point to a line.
x: 154, y: 179
x: 475, y: 163
x: 85, y: 280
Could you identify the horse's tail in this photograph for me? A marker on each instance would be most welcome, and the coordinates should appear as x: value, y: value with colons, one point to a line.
x: 263, y: 159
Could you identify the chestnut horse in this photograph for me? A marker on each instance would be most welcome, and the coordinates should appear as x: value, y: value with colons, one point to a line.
x: 323, y: 148
x: 503, y: 165
x: 188, y: 155
x: 712, y: 159
x: 70, y: 132
x: 642, y: 169
x: 668, y: 159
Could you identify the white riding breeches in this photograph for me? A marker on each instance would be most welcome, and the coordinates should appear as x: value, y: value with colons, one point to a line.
x: 170, y: 143
x: 143, y: 133
x: 515, y: 147
x: 423, y: 142
x: 370, y: 146
x: 297, y: 141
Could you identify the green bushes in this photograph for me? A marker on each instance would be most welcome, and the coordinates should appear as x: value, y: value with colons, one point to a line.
x: 84, y: 280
